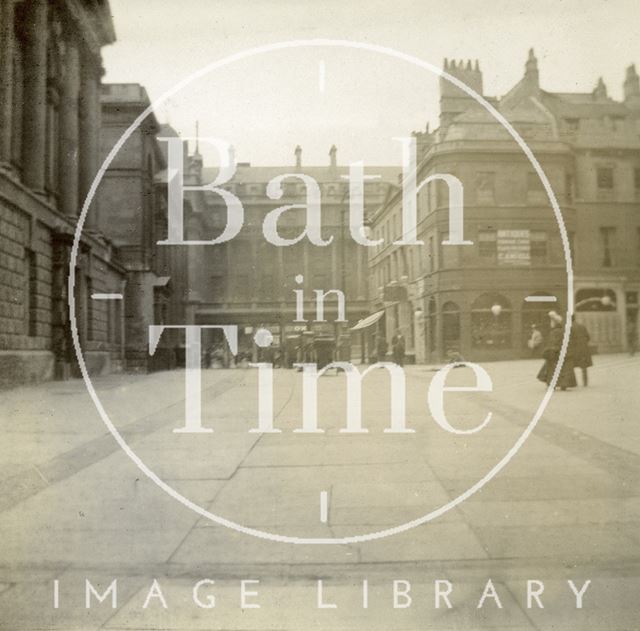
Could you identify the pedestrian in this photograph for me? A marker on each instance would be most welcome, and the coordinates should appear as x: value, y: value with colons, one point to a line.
x: 381, y: 348
x: 551, y: 355
x: 632, y: 338
x: 398, y: 348
x: 535, y: 341
x: 579, y: 348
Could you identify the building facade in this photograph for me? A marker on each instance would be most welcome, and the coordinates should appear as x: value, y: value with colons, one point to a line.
x: 475, y: 300
x: 132, y: 198
x: 252, y: 283
x: 50, y: 70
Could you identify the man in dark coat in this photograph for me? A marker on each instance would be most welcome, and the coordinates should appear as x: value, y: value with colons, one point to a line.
x: 579, y: 348
x: 398, y: 347
x: 551, y: 354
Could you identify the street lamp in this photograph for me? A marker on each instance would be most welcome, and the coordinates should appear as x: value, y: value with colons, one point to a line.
x: 496, y: 310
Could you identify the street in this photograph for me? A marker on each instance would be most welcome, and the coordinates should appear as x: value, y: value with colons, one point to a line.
x: 75, y: 507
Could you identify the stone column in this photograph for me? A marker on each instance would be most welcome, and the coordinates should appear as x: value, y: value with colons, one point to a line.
x: 35, y: 96
x: 7, y: 42
x: 69, y: 131
x: 89, y: 139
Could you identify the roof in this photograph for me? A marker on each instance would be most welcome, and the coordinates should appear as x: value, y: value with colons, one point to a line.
x: 262, y: 174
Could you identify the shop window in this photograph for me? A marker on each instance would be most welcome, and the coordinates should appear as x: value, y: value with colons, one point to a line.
x: 595, y: 299
x: 491, y: 322
x: 535, y: 313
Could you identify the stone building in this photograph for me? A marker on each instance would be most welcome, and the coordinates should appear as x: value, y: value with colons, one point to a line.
x: 133, y: 217
x: 476, y: 299
x: 250, y: 282
x: 50, y: 69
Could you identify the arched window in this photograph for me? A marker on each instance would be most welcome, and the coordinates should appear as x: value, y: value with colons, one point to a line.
x: 450, y: 326
x: 594, y: 299
x: 491, y: 322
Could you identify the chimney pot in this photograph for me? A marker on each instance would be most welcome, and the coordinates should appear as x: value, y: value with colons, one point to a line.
x: 332, y: 155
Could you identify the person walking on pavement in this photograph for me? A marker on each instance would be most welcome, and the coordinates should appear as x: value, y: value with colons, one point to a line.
x: 579, y: 348
x: 551, y: 354
x: 398, y: 346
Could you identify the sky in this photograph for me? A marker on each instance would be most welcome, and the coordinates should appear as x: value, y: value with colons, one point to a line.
x: 267, y: 104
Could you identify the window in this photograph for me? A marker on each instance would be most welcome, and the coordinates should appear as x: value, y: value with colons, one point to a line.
x: 491, y: 322
x: 572, y: 246
x: 617, y: 123
x: 488, y: 243
x: 485, y: 187
x: 636, y: 182
x: 572, y: 124
x: 431, y: 255
x: 607, y: 240
x: 568, y: 187
x: 534, y: 183
x: 450, y: 327
x: 431, y: 332
x: 538, y: 246
x: 52, y: 139
x: 535, y: 188
x: 638, y: 245
x: 20, y: 19
x: 89, y: 307
x: 117, y: 322
x: 605, y: 178
x: 595, y: 299
x: 31, y: 290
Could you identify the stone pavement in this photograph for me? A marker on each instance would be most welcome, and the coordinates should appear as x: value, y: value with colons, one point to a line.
x: 73, y: 506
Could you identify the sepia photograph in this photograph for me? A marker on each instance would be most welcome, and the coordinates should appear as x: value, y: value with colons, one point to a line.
x: 319, y: 315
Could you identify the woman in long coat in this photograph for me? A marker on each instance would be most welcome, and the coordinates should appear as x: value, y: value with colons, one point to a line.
x: 551, y: 354
x: 579, y: 348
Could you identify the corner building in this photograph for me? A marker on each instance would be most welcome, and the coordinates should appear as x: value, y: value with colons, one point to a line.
x: 471, y: 299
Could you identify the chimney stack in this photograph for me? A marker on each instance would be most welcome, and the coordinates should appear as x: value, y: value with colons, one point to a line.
x: 298, y: 154
x: 632, y: 86
x: 531, y: 73
x: 332, y: 156
x: 600, y: 91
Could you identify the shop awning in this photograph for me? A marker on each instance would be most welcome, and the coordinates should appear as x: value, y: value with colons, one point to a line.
x: 368, y: 321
